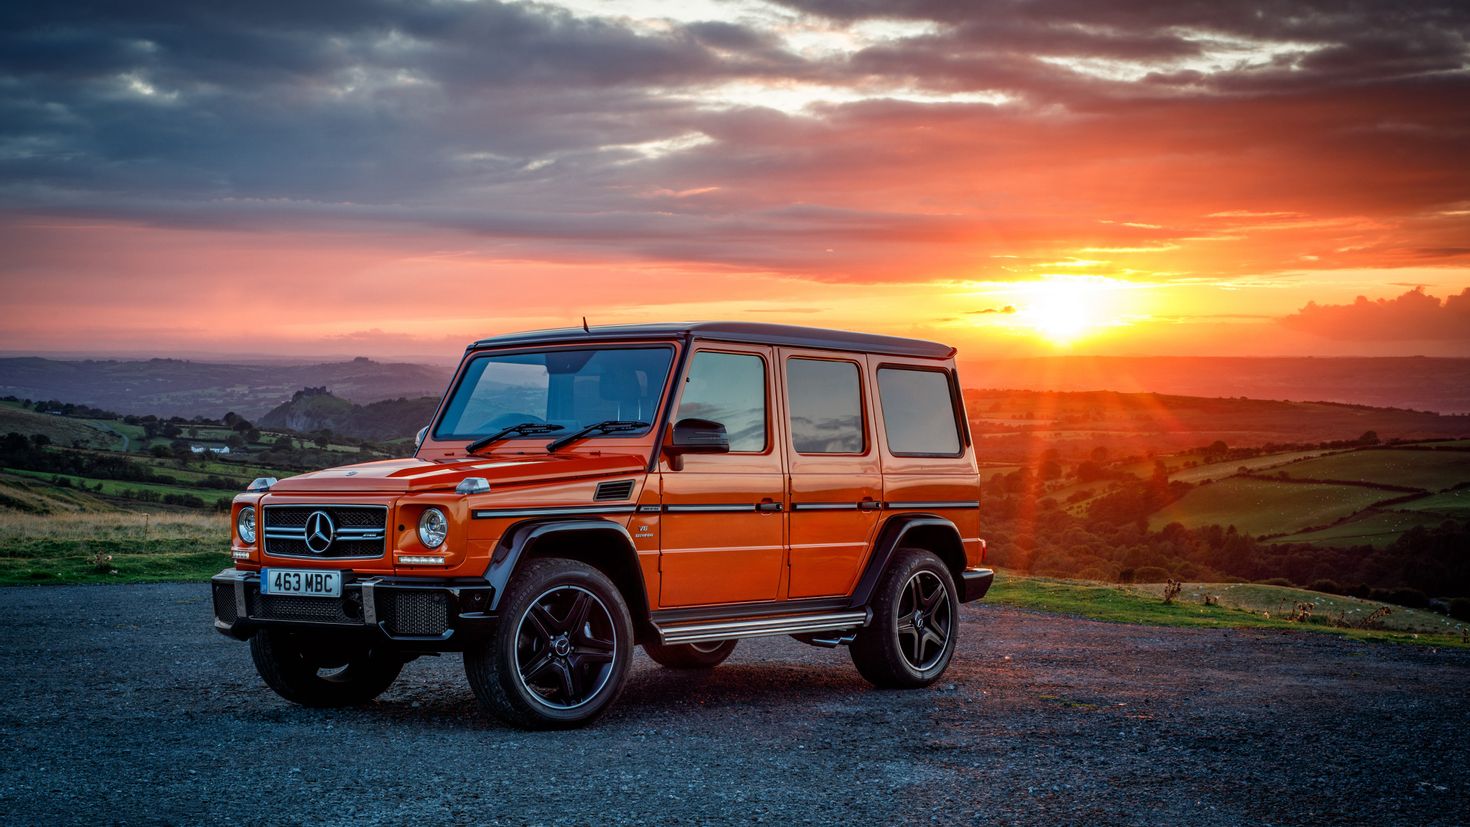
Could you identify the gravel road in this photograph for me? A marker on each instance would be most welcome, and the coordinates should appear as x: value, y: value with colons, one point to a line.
x: 123, y: 705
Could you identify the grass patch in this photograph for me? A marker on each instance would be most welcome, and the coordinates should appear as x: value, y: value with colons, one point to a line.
x: 1454, y: 503
x: 1228, y: 468
x: 111, y: 548
x: 1258, y: 506
x: 1137, y: 605
x: 1429, y: 470
x: 119, y: 488
x: 1375, y: 528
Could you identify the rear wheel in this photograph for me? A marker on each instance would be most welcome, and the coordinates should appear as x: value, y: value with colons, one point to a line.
x: 321, y: 673
x: 691, y: 655
x: 560, y: 654
x: 912, y: 636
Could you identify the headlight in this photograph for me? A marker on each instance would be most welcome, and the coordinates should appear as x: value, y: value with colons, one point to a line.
x: 245, y: 525
x: 433, y: 528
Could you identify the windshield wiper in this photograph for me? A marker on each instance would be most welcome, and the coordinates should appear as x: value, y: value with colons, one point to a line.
x: 607, y: 426
x: 523, y: 429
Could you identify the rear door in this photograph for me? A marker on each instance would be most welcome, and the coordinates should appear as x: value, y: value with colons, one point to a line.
x: 723, y: 526
x: 836, y: 480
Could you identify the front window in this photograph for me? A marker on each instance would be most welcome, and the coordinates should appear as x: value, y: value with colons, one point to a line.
x: 570, y: 388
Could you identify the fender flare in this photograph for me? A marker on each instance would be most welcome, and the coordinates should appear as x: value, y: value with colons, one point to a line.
x: 521, y: 538
x: 891, y: 538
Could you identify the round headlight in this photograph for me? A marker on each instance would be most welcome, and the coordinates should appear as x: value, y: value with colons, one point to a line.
x: 433, y: 528
x: 245, y: 525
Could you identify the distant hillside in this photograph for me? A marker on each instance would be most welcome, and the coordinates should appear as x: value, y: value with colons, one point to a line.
x: 1421, y: 383
x: 173, y: 387
x: 1009, y: 425
x: 316, y: 409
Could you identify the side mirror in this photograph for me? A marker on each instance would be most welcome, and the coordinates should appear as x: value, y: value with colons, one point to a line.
x: 418, y: 438
x: 696, y: 436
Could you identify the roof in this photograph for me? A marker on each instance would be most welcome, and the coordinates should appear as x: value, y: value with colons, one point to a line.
x: 766, y: 334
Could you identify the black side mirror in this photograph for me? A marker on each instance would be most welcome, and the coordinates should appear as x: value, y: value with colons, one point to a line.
x: 697, y: 436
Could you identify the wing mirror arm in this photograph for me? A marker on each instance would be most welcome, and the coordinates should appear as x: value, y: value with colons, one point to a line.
x: 695, y: 436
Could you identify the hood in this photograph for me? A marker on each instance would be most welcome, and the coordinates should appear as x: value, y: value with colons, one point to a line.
x: 402, y: 476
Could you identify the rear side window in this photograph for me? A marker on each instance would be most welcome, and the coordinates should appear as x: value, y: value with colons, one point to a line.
x: 826, y: 406
x: 728, y: 388
x: 918, y: 412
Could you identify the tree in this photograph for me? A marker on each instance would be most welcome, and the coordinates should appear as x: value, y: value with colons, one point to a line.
x: 40, y: 440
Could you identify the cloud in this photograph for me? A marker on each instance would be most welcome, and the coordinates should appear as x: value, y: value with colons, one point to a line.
x: 1412, y: 316
x: 1007, y: 310
x: 543, y: 132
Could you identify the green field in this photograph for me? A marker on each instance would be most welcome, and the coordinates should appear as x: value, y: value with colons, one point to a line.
x: 1454, y: 503
x: 118, y: 488
x: 1259, y: 506
x: 111, y: 547
x: 1426, y: 469
x: 1221, y: 470
x: 1372, y: 528
x: 1252, y: 607
x: 60, y: 429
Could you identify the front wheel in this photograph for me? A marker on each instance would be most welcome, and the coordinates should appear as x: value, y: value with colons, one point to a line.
x: 690, y: 655
x: 560, y: 654
x: 915, y: 623
x: 321, y: 673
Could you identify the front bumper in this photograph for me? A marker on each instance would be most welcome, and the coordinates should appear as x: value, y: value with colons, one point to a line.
x: 412, y: 613
x: 976, y: 582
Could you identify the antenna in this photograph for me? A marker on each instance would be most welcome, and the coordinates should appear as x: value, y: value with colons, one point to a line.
x: 585, y: 328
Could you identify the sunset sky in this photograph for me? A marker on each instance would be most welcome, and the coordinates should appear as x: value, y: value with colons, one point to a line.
x: 394, y: 179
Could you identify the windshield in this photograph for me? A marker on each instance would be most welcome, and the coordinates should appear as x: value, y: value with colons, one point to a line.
x: 570, y: 388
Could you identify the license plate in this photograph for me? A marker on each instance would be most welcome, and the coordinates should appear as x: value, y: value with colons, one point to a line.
x: 301, y: 582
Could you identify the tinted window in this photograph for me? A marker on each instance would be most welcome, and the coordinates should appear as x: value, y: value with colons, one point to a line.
x: 826, y: 406
x: 730, y: 389
x: 918, y: 411
x: 571, y: 388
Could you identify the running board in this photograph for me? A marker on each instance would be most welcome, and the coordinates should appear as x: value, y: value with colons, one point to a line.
x: 764, y: 627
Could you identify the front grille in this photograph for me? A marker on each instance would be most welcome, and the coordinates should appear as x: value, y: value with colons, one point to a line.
x: 347, y: 531
x: 224, y: 602
x: 285, y: 607
x: 413, y: 612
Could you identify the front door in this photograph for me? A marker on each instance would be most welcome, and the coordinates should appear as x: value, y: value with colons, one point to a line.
x: 723, y: 528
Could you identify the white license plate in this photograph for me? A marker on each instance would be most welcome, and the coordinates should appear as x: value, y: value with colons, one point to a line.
x: 301, y: 582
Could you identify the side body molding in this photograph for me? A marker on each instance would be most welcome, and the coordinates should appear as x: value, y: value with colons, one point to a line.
x: 926, y: 530
x: 520, y: 539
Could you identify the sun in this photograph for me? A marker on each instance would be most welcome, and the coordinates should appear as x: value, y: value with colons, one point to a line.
x: 1065, y: 309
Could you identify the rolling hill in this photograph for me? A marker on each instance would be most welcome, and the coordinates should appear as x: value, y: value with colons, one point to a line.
x: 174, y: 387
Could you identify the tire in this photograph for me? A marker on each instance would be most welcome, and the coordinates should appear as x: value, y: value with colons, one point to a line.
x: 691, y: 655
x: 321, y: 673
x: 911, y: 638
x: 560, y: 654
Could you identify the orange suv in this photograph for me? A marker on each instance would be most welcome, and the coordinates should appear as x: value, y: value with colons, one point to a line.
x: 580, y: 492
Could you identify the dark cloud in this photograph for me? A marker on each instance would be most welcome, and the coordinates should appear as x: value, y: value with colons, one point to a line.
x: 539, y: 129
x: 1413, y: 316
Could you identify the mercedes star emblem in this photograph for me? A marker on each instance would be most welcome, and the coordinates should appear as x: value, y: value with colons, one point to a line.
x: 319, y: 532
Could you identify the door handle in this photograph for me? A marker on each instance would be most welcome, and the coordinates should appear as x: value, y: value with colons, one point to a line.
x: 869, y: 505
x: 767, y: 505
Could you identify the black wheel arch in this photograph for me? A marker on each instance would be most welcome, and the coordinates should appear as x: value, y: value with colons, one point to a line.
x: 602, y: 544
x: 930, y: 532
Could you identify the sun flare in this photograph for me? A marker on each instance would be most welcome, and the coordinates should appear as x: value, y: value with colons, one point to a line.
x: 1062, y: 310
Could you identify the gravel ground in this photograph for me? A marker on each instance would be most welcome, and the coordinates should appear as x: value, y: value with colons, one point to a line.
x: 125, y: 706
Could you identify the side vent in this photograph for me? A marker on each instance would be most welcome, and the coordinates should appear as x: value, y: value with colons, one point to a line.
x: 608, y: 491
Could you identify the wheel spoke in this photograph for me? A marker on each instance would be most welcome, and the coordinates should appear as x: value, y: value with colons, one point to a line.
x: 938, y: 596
x: 542, y: 623
x: 915, y: 598
x: 539, y: 665
x: 906, y: 624
x: 931, y: 636
x: 568, y: 682
x: 918, y: 647
x: 577, y: 616
x: 587, y: 654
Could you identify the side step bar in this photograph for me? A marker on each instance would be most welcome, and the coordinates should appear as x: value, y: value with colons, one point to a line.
x: 763, y: 627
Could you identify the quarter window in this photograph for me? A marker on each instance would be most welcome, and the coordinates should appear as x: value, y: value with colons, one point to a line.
x: 826, y: 406
x: 728, y: 388
x: 918, y: 412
